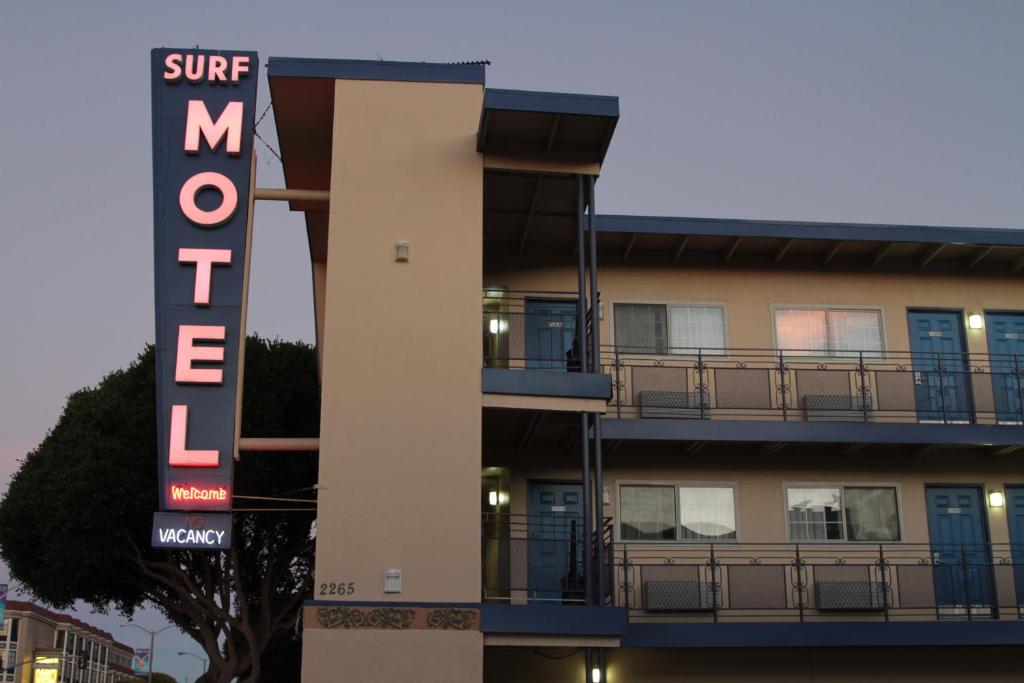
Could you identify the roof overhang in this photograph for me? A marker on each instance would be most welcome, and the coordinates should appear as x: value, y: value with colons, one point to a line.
x: 547, y: 125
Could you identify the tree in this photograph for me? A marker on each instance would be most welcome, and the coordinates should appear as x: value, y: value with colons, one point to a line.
x: 76, y: 520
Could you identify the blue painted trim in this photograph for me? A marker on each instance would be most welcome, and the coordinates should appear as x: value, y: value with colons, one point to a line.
x: 725, y: 227
x: 825, y: 634
x: 387, y: 603
x: 654, y: 429
x: 576, y: 620
x: 546, y: 383
x: 371, y: 70
x: 552, y: 102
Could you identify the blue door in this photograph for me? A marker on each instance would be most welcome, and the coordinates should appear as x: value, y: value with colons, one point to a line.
x: 1006, y: 355
x: 1015, y: 518
x: 941, y: 378
x: 555, y: 546
x: 550, y: 328
x: 959, y: 545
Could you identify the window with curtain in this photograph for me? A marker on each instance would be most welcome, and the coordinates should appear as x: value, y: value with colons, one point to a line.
x: 661, y: 328
x: 828, y: 332
x: 842, y: 513
x: 707, y: 513
x: 686, y: 513
x: 647, y: 513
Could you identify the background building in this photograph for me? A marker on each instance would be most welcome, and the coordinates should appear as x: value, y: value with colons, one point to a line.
x: 710, y: 447
x: 41, y: 646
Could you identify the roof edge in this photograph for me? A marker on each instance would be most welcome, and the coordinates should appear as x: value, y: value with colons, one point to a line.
x: 374, y: 70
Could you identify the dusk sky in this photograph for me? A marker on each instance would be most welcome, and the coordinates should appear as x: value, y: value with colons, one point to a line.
x: 889, y: 112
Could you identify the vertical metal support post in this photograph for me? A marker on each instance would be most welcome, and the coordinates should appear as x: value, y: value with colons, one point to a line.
x: 883, y: 574
x: 1017, y: 387
x: 599, y: 508
x: 625, y: 575
x: 798, y: 570
x: 588, y: 663
x: 863, y: 387
x: 594, y: 302
x: 967, y: 580
x: 581, y: 299
x: 942, y: 387
x: 700, y: 391
x: 783, y: 389
x: 618, y: 383
x: 588, y: 516
x: 715, y: 589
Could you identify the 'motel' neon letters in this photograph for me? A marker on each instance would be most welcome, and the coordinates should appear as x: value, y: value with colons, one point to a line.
x: 200, y: 126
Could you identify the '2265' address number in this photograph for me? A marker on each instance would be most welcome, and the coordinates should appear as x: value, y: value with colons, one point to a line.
x: 338, y: 588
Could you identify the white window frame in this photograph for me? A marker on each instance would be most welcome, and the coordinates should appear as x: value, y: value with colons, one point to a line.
x: 842, y: 486
x: 668, y: 304
x: 676, y: 484
x: 829, y: 354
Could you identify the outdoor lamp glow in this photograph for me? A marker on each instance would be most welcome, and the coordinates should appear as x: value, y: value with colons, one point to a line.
x: 996, y: 499
x: 976, y: 321
x: 595, y: 675
x: 492, y: 498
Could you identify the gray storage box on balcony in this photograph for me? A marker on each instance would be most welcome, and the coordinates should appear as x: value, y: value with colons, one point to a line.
x: 835, y: 407
x: 679, y: 596
x: 679, y: 404
x: 849, y: 595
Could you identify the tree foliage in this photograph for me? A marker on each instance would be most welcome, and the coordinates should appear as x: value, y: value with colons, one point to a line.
x: 76, y: 520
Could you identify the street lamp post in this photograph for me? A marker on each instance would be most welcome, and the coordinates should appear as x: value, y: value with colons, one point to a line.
x: 202, y: 660
x: 152, y: 652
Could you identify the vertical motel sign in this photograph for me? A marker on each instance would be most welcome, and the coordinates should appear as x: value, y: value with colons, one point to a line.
x: 203, y: 112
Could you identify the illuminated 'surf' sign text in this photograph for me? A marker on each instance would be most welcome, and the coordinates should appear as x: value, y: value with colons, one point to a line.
x: 203, y: 106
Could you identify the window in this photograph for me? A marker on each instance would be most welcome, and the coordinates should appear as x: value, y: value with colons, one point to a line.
x: 669, y: 513
x: 828, y: 332
x: 12, y: 633
x: 707, y: 513
x: 648, y: 513
x: 842, y: 513
x: 662, y: 328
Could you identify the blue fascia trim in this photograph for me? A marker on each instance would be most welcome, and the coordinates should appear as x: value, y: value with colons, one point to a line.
x: 748, y: 431
x: 823, y: 634
x: 726, y: 227
x: 371, y: 70
x: 552, y: 102
x: 388, y: 603
x: 577, y: 620
x: 546, y: 383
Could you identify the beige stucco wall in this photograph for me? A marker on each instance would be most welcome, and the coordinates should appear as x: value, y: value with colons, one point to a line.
x: 748, y: 295
x: 405, y: 656
x: 782, y: 665
x: 400, y: 422
x: 760, y: 480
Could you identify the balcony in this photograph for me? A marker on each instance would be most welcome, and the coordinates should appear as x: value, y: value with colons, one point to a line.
x: 780, y: 385
x: 898, y: 591
x: 531, y: 347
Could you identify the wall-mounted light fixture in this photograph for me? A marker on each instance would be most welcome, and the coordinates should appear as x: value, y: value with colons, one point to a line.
x: 401, y: 251
x: 595, y: 675
x: 976, y: 321
x: 996, y: 499
x: 492, y: 498
x: 497, y: 325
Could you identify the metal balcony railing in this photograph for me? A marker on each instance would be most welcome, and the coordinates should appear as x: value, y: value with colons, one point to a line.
x: 539, y: 559
x: 860, y: 386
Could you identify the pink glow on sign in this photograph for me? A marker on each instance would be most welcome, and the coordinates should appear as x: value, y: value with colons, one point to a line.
x: 229, y: 125
x: 205, y: 260
x: 189, y: 353
x: 180, y: 455
x: 173, y: 65
x: 200, y: 181
x: 239, y: 66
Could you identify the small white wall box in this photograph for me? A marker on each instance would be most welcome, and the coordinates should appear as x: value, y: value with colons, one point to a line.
x: 402, y: 251
x: 392, y: 580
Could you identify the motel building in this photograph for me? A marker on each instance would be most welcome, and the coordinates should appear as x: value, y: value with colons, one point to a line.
x: 560, y: 445
x: 42, y: 646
